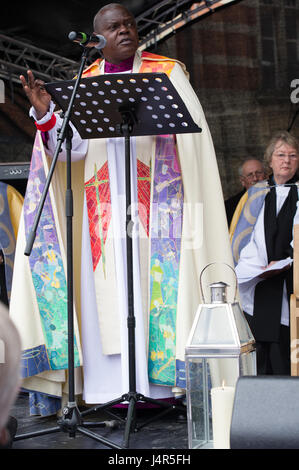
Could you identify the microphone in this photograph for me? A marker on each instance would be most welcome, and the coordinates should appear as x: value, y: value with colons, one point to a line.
x: 98, y: 41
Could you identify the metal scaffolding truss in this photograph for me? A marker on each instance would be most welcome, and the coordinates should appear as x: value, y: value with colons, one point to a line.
x: 154, y: 25
x: 168, y: 16
x: 154, y: 18
x: 16, y: 57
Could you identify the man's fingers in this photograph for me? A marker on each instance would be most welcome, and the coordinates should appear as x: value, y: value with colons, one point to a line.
x: 23, y: 80
x: 25, y: 85
x: 32, y: 83
x: 30, y: 78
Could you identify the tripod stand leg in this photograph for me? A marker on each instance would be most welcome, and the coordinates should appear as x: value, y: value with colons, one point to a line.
x: 130, y: 421
x: 94, y: 436
x: 37, y: 433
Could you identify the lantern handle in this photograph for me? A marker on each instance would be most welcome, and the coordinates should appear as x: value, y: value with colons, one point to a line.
x: 210, y: 264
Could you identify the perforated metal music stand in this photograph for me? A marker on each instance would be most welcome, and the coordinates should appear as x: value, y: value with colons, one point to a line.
x: 126, y: 105
x: 102, y: 102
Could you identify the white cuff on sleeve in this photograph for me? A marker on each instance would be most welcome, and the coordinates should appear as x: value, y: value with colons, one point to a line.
x: 46, y: 118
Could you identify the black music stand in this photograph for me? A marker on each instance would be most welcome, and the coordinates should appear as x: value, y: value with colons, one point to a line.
x: 148, y: 102
x: 115, y: 105
x: 126, y: 105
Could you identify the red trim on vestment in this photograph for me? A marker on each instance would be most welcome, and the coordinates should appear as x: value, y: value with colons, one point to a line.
x: 48, y: 125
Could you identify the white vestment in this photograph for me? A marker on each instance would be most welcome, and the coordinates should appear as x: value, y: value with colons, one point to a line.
x: 103, y: 338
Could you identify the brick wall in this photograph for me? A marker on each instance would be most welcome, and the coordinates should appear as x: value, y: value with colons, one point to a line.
x: 241, y: 60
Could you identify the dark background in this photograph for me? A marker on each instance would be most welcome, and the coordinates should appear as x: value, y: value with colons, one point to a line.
x: 241, y: 59
x: 47, y: 24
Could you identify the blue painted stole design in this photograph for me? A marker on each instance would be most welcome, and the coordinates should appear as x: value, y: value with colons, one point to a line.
x: 248, y: 217
x: 43, y: 405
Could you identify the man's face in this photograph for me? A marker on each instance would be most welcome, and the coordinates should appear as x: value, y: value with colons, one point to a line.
x: 118, y: 26
x: 253, y: 172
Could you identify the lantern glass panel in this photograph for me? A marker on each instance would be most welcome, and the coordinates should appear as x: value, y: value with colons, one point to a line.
x: 244, y: 332
x: 212, y: 327
x: 203, y: 375
x: 199, y: 404
x: 248, y: 363
x: 220, y: 325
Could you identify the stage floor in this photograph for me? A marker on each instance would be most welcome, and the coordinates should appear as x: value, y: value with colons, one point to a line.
x: 165, y: 432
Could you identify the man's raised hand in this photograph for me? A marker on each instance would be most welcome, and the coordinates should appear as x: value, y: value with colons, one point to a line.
x: 36, y: 93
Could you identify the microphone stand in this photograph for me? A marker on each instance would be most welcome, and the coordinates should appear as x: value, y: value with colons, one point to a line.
x: 71, y: 420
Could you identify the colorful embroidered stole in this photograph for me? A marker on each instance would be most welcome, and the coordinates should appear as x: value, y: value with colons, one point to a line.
x: 48, y: 276
x: 166, y: 227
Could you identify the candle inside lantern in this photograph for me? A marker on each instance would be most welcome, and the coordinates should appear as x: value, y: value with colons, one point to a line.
x: 222, y: 407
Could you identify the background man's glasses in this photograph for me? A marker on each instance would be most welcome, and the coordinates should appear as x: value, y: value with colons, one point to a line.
x: 254, y: 174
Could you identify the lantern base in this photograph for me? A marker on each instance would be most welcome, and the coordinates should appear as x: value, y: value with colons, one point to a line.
x: 203, y: 445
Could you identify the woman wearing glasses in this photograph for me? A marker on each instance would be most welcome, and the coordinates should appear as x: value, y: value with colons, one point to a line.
x: 262, y: 242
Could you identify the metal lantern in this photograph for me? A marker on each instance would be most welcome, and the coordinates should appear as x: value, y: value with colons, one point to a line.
x: 220, y: 348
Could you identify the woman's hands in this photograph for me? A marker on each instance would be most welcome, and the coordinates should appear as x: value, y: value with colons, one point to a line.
x: 273, y: 272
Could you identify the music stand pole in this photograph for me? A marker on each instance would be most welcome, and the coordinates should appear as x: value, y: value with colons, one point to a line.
x: 71, y: 421
x: 129, y: 119
x: 126, y: 128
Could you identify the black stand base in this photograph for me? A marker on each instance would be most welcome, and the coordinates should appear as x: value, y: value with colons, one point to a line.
x: 132, y: 398
x: 72, y: 423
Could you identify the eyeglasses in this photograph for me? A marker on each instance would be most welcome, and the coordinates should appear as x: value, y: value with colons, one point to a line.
x: 253, y: 174
x: 280, y: 155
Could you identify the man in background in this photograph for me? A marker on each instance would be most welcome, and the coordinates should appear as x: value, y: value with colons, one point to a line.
x: 250, y: 172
